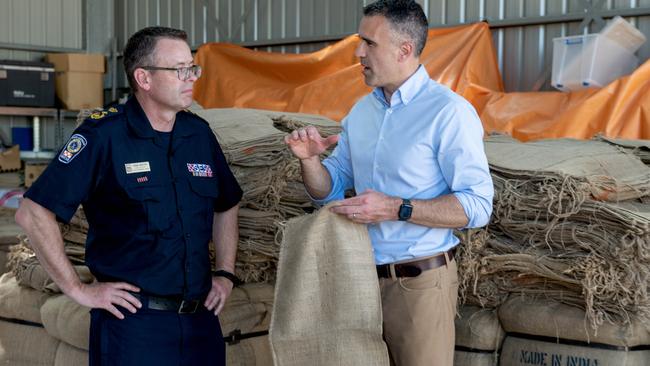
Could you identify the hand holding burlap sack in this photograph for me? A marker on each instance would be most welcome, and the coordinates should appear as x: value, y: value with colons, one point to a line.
x: 327, y: 308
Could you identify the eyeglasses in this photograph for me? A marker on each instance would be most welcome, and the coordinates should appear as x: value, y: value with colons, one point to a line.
x: 184, y: 73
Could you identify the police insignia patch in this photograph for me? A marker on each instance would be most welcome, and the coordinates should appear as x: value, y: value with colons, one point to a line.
x: 72, y: 148
x: 200, y: 170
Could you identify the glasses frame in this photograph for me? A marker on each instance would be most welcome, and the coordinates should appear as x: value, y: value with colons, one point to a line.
x: 190, y: 70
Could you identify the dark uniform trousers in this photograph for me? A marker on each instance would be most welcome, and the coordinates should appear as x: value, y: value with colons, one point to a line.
x: 156, y: 337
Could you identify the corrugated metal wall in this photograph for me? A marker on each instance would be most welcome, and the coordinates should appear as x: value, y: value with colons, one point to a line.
x: 47, y: 25
x: 524, y: 50
x: 522, y: 29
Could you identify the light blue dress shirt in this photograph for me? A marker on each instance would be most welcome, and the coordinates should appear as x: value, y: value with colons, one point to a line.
x: 426, y: 143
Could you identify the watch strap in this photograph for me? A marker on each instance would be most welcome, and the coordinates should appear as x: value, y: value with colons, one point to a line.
x: 229, y: 275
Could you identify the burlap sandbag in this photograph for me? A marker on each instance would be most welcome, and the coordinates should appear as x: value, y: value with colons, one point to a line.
x: 3, y: 260
x: 67, y: 321
x: 18, y: 302
x: 549, y: 318
x: 247, y: 309
x: 32, y: 274
x: 327, y: 308
x: 254, y: 351
x: 526, y: 352
x: 478, y: 337
x: 467, y: 358
x: 478, y: 329
x: 67, y: 355
x: 26, y: 345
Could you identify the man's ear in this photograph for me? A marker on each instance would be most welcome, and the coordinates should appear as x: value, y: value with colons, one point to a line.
x: 142, y: 78
x: 406, y: 50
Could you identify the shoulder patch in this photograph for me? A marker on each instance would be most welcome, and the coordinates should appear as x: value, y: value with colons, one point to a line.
x: 74, y: 146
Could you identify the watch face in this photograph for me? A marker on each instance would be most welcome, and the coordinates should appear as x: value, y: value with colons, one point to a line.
x: 405, y: 212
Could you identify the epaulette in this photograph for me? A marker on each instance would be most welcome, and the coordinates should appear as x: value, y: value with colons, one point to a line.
x: 98, y: 114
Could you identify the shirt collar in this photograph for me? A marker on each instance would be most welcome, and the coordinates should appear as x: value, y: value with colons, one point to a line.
x: 408, y: 90
x: 141, y: 126
x: 137, y: 119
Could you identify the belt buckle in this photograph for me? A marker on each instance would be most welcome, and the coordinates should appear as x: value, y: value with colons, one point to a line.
x: 188, y: 306
x: 408, y: 271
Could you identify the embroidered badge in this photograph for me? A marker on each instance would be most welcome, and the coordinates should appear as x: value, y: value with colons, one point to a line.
x: 72, y: 148
x: 140, y: 167
x: 142, y: 179
x: 200, y: 170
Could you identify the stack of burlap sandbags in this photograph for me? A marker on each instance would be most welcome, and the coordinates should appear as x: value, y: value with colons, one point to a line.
x: 23, y: 339
x: 253, y: 143
x: 569, y: 222
x: 9, y: 232
x: 24, y: 265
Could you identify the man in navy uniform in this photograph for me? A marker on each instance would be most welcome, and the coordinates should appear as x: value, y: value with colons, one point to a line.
x: 156, y: 188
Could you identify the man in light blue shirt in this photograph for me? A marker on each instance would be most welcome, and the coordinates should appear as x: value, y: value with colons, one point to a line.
x: 413, y: 152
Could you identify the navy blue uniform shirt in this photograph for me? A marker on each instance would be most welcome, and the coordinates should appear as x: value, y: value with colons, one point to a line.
x: 149, y: 198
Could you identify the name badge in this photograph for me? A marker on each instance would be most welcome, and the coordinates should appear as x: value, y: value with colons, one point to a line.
x: 140, y: 167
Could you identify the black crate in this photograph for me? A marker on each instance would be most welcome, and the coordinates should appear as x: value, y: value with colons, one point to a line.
x: 26, y: 84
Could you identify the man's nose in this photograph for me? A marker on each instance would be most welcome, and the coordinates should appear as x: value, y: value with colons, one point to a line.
x: 360, y: 51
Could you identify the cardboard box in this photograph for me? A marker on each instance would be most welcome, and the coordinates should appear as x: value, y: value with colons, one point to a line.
x: 79, y: 79
x: 26, y: 84
x: 32, y: 172
x: 10, y: 159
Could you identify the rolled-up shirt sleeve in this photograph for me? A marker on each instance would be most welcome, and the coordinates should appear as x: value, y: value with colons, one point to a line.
x: 464, y: 165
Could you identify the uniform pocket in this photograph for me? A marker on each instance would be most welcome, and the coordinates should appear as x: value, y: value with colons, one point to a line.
x: 152, y: 201
x: 206, y: 187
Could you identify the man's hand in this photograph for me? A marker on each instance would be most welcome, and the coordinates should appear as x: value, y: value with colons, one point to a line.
x: 369, y: 207
x: 106, y: 295
x: 306, y: 142
x: 221, y: 289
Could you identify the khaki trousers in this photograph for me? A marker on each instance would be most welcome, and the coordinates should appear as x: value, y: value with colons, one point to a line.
x: 419, y: 317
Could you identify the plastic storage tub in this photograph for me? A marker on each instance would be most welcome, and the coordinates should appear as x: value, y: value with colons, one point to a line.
x: 589, y: 60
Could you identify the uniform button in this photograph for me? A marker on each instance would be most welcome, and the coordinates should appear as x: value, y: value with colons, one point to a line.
x: 188, y: 235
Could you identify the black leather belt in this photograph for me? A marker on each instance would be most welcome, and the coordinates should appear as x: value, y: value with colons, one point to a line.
x: 414, y: 268
x: 168, y: 303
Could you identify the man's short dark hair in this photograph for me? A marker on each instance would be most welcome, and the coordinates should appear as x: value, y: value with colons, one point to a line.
x: 405, y: 16
x: 139, y: 50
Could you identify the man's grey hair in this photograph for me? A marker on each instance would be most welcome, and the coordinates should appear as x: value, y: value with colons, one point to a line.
x: 406, y: 17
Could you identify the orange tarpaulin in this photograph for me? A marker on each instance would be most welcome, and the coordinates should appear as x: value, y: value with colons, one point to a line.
x: 328, y: 82
x: 620, y: 109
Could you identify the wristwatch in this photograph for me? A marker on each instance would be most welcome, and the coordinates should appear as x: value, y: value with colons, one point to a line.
x: 229, y: 275
x: 405, y: 210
